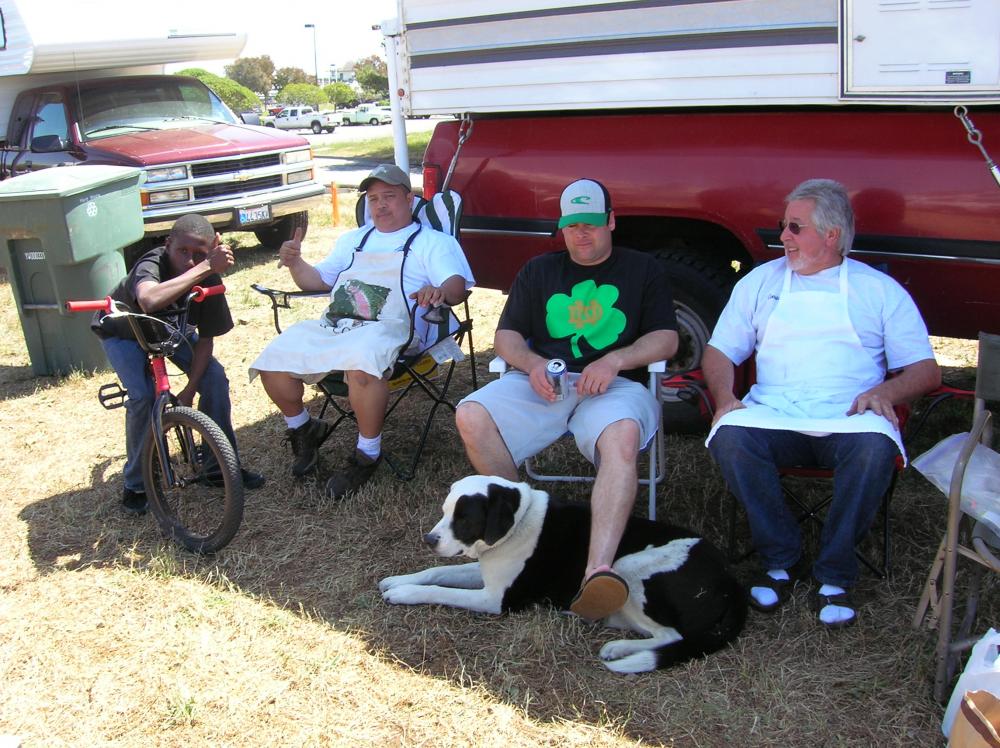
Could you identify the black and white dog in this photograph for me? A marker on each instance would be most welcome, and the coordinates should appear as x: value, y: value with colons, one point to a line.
x: 533, y: 549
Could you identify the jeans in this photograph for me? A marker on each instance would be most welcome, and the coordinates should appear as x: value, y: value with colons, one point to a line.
x: 130, y: 364
x: 862, y: 464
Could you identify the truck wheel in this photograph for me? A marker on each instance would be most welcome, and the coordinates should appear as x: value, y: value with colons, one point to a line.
x: 331, y: 129
x: 373, y: 121
x: 700, y: 290
x: 283, y: 230
x: 317, y: 128
x: 268, y: 124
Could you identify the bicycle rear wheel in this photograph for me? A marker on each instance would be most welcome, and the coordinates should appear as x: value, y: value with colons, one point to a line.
x: 203, y: 507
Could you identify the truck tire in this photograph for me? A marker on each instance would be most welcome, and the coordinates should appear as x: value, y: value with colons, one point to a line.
x: 346, y: 121
x: 316, y: 127
x: 373, y: 121
x: 330, y: 129
x: 282, y: 230
x: 700, y: 290
x: 269, y: 124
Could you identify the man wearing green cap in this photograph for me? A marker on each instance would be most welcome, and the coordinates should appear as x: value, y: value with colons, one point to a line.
x: 607, y: 313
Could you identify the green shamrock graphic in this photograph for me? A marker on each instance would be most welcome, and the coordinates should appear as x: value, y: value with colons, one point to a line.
x: 588, y: 313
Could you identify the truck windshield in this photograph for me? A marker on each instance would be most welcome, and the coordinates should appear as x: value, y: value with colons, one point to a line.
x: 147, y: 104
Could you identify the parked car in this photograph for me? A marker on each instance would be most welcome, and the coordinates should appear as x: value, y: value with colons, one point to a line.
x: 302, y: 118
x: 366, y: 114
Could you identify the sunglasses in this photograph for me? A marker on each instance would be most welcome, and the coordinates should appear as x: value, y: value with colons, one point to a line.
x: 792, y: 226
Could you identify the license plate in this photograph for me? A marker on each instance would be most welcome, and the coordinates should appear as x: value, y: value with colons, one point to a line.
x: 254, y: 214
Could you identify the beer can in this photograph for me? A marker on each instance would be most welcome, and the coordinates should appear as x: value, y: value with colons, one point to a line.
x: 555, y: 372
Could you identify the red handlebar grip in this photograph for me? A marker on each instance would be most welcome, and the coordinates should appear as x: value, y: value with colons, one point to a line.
x: 89, y: 306
x: 200, y: 294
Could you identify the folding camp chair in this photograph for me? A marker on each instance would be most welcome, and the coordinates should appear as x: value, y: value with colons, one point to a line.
x: 796, y: 480
x: 972, y: 523
x: 420, y: 370
x: 655, y: 451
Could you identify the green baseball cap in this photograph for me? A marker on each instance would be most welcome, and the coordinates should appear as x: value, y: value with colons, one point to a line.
x: 585, y: 201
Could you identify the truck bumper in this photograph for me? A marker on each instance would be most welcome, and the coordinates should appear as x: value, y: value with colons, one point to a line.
x: 223, y: 213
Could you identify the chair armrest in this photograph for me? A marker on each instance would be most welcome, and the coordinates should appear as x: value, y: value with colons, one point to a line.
x: 281, y: 299
x: 657, y: 366
x: 498, y: 366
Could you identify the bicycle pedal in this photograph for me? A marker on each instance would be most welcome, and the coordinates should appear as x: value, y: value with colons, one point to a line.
x: 111, y: 395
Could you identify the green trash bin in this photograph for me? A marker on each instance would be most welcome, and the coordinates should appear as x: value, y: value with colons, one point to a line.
x: 63, y: 230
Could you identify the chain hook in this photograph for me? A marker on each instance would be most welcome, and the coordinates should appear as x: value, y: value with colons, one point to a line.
x: 974, y: 136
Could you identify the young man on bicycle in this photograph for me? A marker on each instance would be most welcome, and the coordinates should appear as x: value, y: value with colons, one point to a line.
x: 157, y: 284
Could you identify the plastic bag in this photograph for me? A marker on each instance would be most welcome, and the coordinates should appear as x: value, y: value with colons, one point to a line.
x: 981, y: 487
x: 982, y: 673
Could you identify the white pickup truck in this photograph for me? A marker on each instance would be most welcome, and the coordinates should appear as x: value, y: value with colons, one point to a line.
x: 304, y: 117
x: 365, y: 114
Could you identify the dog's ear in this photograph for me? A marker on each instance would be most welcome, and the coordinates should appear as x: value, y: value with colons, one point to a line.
x: 502, y: 504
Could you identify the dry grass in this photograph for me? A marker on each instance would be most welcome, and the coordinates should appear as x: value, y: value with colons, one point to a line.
x: 113, y: 637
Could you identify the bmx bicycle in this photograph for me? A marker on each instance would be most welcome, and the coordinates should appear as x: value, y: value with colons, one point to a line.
x: 189, y: 468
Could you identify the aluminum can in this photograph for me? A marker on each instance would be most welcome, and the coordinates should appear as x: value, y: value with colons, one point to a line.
x: 555, y: 372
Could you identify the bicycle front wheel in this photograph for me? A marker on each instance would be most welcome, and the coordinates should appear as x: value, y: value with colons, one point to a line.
x: 201, y: 504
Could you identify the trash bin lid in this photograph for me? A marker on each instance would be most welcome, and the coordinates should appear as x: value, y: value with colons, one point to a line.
x: 64, y: 181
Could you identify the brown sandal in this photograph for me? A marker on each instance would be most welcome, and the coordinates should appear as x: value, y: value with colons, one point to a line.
x: 602, y: 594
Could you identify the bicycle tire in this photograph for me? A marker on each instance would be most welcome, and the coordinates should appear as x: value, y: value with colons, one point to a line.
x: 198, y: 512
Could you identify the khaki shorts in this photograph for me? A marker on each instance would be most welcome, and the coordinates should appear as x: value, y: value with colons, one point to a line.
x: 528, y: 424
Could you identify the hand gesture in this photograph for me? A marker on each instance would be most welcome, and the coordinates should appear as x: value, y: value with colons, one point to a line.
x: 727, y: 407
x: 291, y: 251
x: 540, y: 383
x: 220, y: 256
x: 428, y: 296
x: 596, y: 377
x: 871, y: 400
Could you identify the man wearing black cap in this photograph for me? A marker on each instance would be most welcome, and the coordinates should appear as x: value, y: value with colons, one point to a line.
x: 372, y: 272
x: 606, y: 312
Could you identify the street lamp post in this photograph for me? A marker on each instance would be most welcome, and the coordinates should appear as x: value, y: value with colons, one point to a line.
x: 315, y: 63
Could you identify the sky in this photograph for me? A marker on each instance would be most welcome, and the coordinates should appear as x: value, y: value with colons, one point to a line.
x: 343, y: 27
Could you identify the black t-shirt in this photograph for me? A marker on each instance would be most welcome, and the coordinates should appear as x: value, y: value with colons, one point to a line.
x: 211, y: 316
x: 581, y: 312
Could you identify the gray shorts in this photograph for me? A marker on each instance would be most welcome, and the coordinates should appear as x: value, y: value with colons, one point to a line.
x: 528, y: 424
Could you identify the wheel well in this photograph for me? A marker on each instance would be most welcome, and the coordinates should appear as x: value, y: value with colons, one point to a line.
x: 714, y: 244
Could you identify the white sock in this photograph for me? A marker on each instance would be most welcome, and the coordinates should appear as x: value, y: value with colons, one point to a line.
x: 371, y: 447
x: 765, y: 595
x: 300, y: 420
x: 834, y: 613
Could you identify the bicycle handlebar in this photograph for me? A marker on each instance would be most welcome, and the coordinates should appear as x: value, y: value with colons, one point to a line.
x: 90, y: 306
x: 201, y: 293
x: 198, y: 293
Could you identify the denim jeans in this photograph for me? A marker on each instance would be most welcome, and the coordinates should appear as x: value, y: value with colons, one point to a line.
x: 862, y: 466
x: 130, y: 364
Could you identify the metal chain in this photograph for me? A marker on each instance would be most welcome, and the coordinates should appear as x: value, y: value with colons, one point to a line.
x: 464, y: 131
x: 976, y: 138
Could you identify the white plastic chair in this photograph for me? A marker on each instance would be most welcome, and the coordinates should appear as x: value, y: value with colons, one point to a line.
x: 655, y: 450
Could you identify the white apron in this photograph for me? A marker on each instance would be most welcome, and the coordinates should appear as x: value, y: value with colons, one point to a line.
x: 810, y: 367
x: 365, y: 326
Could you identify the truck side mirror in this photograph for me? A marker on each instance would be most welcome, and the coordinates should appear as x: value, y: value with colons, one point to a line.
x: 48, y: 144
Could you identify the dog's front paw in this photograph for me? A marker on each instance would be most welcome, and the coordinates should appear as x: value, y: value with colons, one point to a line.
x: 403, y: 594
x: 617, y: 649
x: 390, y: 582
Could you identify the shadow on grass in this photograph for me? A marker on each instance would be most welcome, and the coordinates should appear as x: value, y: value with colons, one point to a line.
x: 783, y: 682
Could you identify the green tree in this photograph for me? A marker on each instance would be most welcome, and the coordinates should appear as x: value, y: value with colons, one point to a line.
x: 284, y: 76
x: 256, y: 73
x: 302, y: 93
x: 236, y: 97
x: 373, y: 77
x: 341, y: 94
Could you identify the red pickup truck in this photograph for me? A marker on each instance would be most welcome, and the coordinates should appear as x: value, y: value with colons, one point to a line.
x: 197, y: 156
x: 704, y: 189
